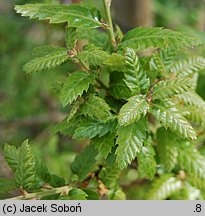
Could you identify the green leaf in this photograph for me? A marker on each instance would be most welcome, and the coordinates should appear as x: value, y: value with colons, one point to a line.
x: 115, y: 62
x: 76, y: 15
x: 118, y: 88
x: 135, y: 77
x: 77, y: 194
x: 11, y: 156
x: 130, y: 140
x: 188, y: 67
x: 91, y: 195
x: 96, y: 107
x: 92, y: 55
x: 146, y: 161
x: 168, y: 88
x: 84, y: 162
x: 92, y: 128
x: 104, y: 144
x: 93, y: 36
x: 116, y: 194
x: 164, y: 187
x: 192, y: 99
x: 169, y: 57
x: 25, y: 174
x: 51, y: 60
x: 191, y: 161
x: 45, y: 50
x: 73, y: 110
x: 74, y: 86
x: 110, y: 176
x: 68, y: 127
x: 186, y: 193
x: 167, y: 114
x: 56, y: 181
x: 133, y: 110
x: 7, y: 185
x: 42, y: 170
x: 158, y: 65
x: 195, y: 114
x: 70, y: 37
x: 148, y: 37
x: 167, y: 148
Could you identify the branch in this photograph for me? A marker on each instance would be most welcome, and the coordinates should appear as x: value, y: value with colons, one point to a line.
x: 38, y: 195
x: 107, y: 5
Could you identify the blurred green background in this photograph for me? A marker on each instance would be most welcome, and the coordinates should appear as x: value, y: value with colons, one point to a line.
x: 29, y: 108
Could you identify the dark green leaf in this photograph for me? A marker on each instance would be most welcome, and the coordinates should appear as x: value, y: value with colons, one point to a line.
x: 84, y: 162
x: 75, y: 85
x: 118, y: 88
x: 104, y: 144
x: 92, y: 128
x: 96, y: 107
x: 130, y: 140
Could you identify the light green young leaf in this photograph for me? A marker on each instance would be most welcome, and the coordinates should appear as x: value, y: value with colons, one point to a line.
x: 130, y: 140
x: 115, y: 62
x: 75, y: 85
x: 76, y: 15
x: 167, y: 148
x: 164, y: 187
x: 84, y: 162
x: 91, y: 128
x: 187, y: 67
x: 154, y: 37
x: 168, y: 88
x: 96, y: 107
x: 133, y: 110
x: 167, y: 114
x: 93, y: 36
x: 104, y: 144
x: 50, y: 60
x: 135, y: 77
